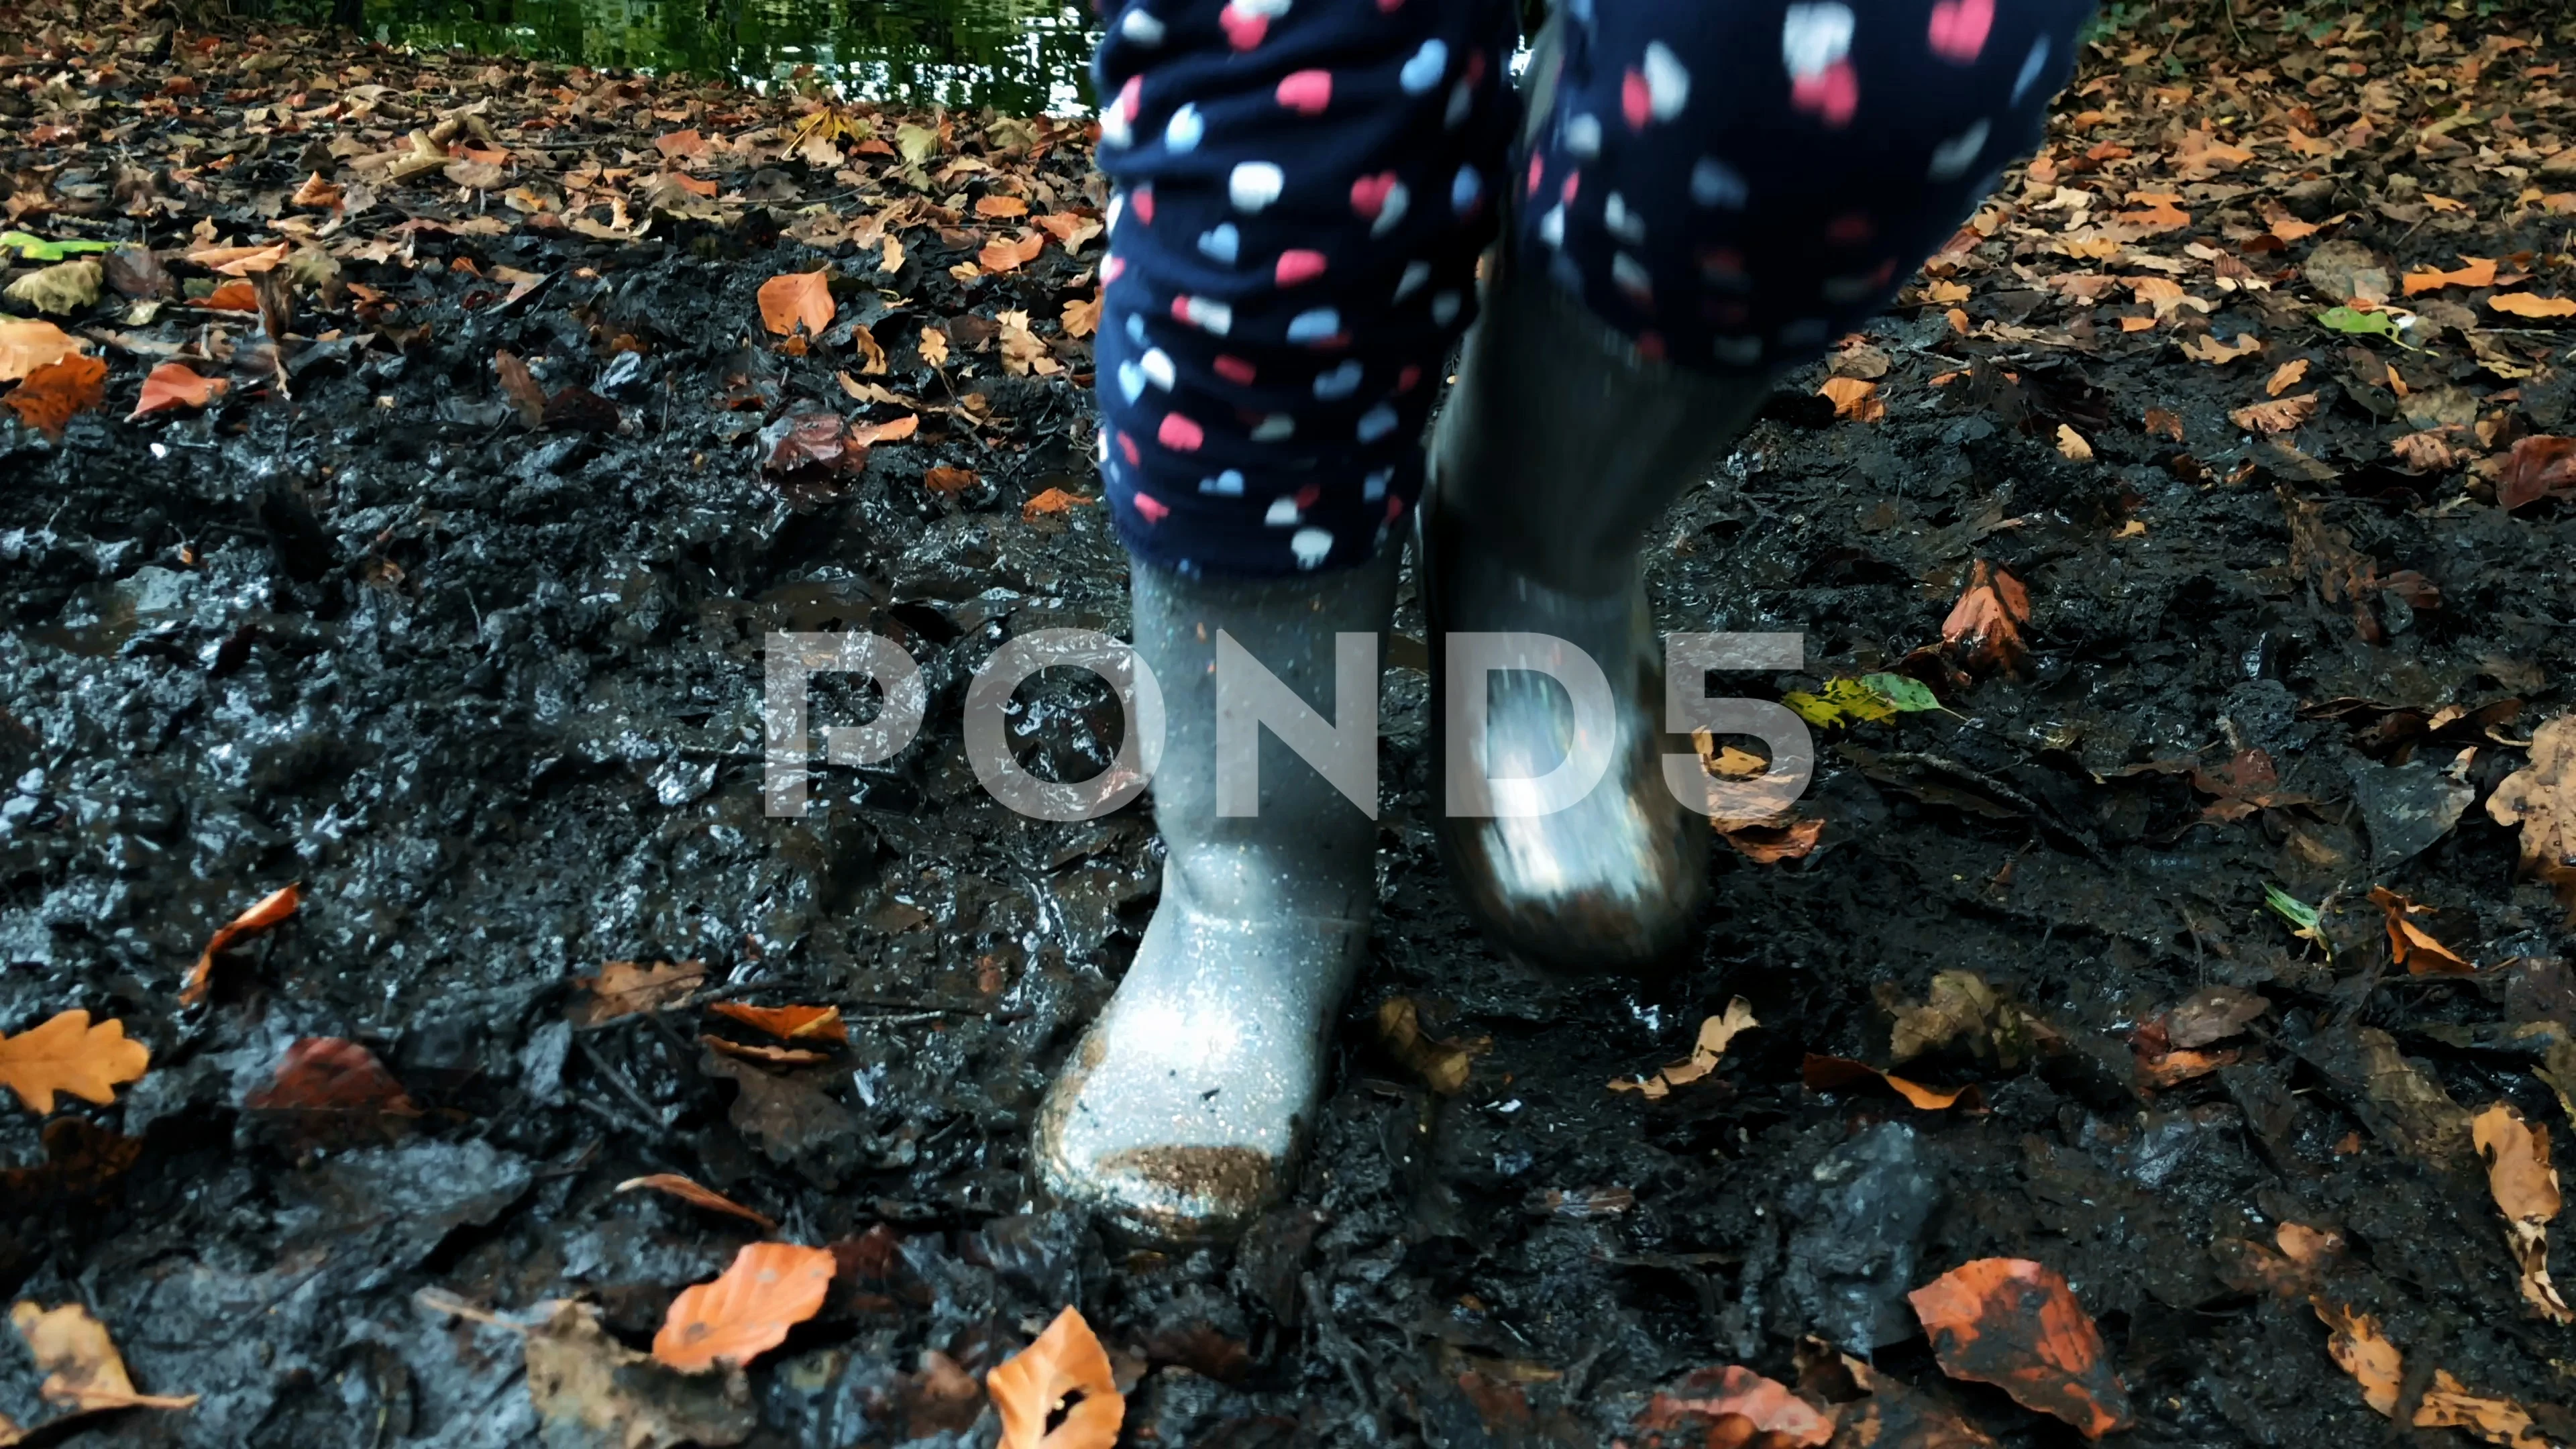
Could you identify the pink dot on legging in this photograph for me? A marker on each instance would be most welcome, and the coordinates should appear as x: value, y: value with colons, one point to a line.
x: 1142, y: 203
x: 1538, y: 169
x: 1243, y: 28
x: 1959, y: 29
x: 1180, y: 434
x: 1849, y: 229
x: 1128, y: 450
x: 1405, y: 380
x: 1235, y: 370
x: 1307, y: 92
x: 1152, y: 509
x: 1832, y: 94
x: 1307, y: 495
x: 1299, y: 265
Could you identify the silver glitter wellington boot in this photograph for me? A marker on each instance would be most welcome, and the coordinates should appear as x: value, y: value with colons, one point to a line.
x: 1557, y: 451
x: 1183, y: 1110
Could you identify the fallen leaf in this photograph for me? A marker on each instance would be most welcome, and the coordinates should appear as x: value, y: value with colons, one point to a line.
x: 2212, y: 1014
x: 746, y: 1311
x: 1442, y: 1065
x: 890, y: 260
x: 240, y: 261
x: 933, y: 345
x: 2517, y: 304
x: 2071, y: 444
x: 1001, y: 206
x: 2357, y: 1346
x: 2524, y: 1184
x: 2015, y: 1324
x: 1716, y: 1033
x: 232, y: 297
x: 1003, y: 254
x: 2207, y: 348
x: 175, y: 385
x: 1766, y: 844
x: 1841, y: 1074
x: 63, y: 287
x: 2480, y: 272
x: 776, y: 1056
x: 2285, y: 377
x: 67, y: 1054
x: 787, y: 1113
x: 2541, y: 798
x: 868, y: 435
x: 1030, y: 1387
x: 26, y: 346
x: 521, y: 388
x: 81, y: 1365
x: 270, y: 909
x: 2536, y: 469
x: 677, y: 144
x: 627, y: 988
x: 795, y: 299
x: 2427, y: 452
x: 1052, y: 501
x: 1734, y: 1405
x: 1081, y: 317
x: 689, y: 1191
x: 589, y: 1389
x: 2167, y: 423
x: 317, y: 192
x: 1897, y: 1415
x: 1985, y: 626
x: 327, y: 1074
x: 2275, y: 417
x: 2409, y: 945
x: 948, y: 482
x: 1854, y: 400
x: 788, y: 1023
x: 52, y: 394
x: 2361, y: 1350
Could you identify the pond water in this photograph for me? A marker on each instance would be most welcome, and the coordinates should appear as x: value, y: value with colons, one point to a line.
x: 1021, y: 57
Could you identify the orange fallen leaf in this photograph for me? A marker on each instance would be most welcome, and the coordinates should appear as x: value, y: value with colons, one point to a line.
x: 1442, y: 1064
x: 747, y: 1311
x: 2015, y: 1324
x: 26, y: 346
x: 2480, y: 272
x: 2537, y: 468
x: 1767, y: 844
x: 1716, y: 1034
x: 1032, y: 1385
x: 1001, y: 206
x: 933, y: 345
x: 1985, y: 626
x: 67, y: 1054
x: 240, y: 261
x: 681, y: 143
x: 1069, y: 229
x: 317, y: 192
x: 948, y: 482
x: 689, y: 1191
x: 2275, y: 417
x: 629, y: 988
x: 81, y: 1365
x: 176, y: 385
x: 2524, y: 304
x: 270, y: 909
x: 788, y: 1023
x: 1054, y: 500
x: 868, y: 435
x: 1839, y: 1074
x: 1081, y: 317
x: 2360, y: 1349
x: 2525, y: 1185
x: 2541, y: 798
x: 1734, y: 1405
x: 2168, y: 423
x: 2207, y: 348
x: 51, y: 394
x: 2285, y: 377
x: 1854, y: 399
x: 1002, y: 254
x: 328, y: 1074
x: 798, y: 298
x: 775, y: 1056
x: 2409, y: 945
x: 232, y: 297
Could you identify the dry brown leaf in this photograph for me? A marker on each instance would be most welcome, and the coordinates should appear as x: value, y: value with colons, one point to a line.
x: 329, y: 1074
x: 1733, y: 1405
x: 176, y: 385
x: 2480, y: 272
x: 1442, y: 1065
x: 626, y: 988
x: 2275, y: 417
x: 520, y: 388
x: 2285, y: 377
x: 52, y: 394
x: 788, y: 1023
x: 2361, y: 1350
x: 2541, y: 798
x: 232, y: 297
x: 2428, y: 452
x: 1766, y: 843
x: 2015, y: 1324
x: 2525, y: 1185
x: 2071, y: 444
x: 267, y: 911
x: 890, y: 260
x: 1070, y: 229
x: 745, y: 1312
x: 1081, y: 316
x: 2410, y: 945
x: 775, y: 1056
x: 1002, y: 254
x: 933, y: 345
x: 689, y: 1191
x: 2164, y: 422
x: 67, y: 1054
x: 592, y: 1390
x: 948, y: 482
x: 868, y: 435
x: 1854, y: 399
x: 998, y: 207
x: 26, y: 346
x: 1716, y: 1033
x: 2524, y: 304
x: 1984, y: 627
x: 1841, y: 1074
x: 798, y: 299
x: 81, y: 1365
x: 872, y: 355
x: 1031, y: 1386
x: 240, y: 261
x: 1052, y: 501
x: 317, y: 192
x: 2537, y: 468
x: 2207, y: 348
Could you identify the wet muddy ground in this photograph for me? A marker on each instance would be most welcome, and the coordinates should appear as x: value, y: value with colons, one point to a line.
x: 492, y: 693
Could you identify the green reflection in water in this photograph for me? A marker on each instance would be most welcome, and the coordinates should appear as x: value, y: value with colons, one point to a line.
x: 1021, y: 57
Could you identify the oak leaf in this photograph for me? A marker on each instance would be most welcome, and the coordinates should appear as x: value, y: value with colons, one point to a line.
x: 746, y: 1311
x: 2207, y: 348
x: 176, y: 385
x: 688, y: 1190
x: 1081, y: 317
x: 240, y: 261
x: 317, y: 192
x: 26, y: 346
x: 51, y: 394
x: 998, y: 207
x: 2285, y: 377
x: 1032, y: 1385
x: 2361, y: 1350
x: 81, y: 1365
x: 2275, y: 417
x: 2015, y: 1324
x: 2541, y: 798
x: 267, y: 911
x: 933, y: 345
x: 67, y: 1054
x: 795, y: 299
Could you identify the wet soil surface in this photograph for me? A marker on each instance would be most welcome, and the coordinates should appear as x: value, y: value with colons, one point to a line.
x: 492, y: 694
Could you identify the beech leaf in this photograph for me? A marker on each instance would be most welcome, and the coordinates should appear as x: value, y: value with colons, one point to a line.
x: 746, y: 1311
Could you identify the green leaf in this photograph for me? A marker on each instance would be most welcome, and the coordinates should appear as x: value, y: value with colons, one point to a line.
x: 2290, y: 908
x: 1845, y: 700
x: 1813, y: 709
x: 2354, y: 323
x: 37, y: 249
x: 1905, y: 694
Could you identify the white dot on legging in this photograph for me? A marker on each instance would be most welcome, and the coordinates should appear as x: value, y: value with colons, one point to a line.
x: 1283, y: 513
x: 1310, y: 545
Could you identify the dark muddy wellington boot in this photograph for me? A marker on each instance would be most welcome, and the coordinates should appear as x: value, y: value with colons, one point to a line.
x: 1557, y: 451
x: 1181, y: 1114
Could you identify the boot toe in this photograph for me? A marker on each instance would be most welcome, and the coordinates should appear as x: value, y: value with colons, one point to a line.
x: 1621, y: 891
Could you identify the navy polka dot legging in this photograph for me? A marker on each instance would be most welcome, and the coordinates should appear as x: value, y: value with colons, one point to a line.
x: 1303, y: 188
